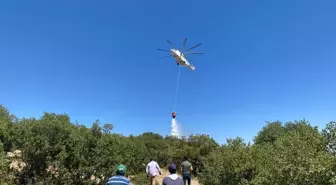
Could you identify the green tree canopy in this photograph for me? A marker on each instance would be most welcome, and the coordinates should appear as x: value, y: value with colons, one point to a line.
x: 57, y: 151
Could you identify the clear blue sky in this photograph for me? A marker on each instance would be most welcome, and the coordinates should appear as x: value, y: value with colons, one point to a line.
x: 264, y: 60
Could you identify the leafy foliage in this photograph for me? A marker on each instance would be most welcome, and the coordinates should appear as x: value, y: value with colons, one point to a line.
x: 329, y: 133
x: 4, y: 163
x: 294, y: 153
x: 57, y: 151
x: 229, y: 165
x: 298, y: 157
x: 271, y: 132
x: 140, y: 179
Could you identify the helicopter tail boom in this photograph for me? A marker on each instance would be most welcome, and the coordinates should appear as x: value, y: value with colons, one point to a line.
x: 192, y: 68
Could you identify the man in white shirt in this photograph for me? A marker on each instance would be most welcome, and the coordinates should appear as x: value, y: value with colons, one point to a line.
x: 152, y: 170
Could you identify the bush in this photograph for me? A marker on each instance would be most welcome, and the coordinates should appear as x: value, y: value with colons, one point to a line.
x: 294, y: 153
x: 140, y: 179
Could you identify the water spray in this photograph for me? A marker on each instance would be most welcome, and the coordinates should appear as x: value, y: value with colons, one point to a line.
x: 174, y: 127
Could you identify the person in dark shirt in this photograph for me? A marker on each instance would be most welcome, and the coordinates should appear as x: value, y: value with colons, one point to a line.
x: 186, y: 169
x: 173, y: 178
x: 119, y: 178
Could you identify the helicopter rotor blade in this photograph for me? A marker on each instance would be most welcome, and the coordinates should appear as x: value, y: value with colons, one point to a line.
x: 164, y: 50
x: 194, y: 46
x: 184, y: 43
x: 182, y: 49
x: 194, y: 53
x: 171, y: 44
x: 166, y: 56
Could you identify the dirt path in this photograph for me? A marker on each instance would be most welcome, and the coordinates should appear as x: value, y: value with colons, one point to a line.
x: 166, y: 173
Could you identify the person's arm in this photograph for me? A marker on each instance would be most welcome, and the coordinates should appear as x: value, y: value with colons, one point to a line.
x: 158, y: 167
x: 147, y: 169
x: 191, y: 168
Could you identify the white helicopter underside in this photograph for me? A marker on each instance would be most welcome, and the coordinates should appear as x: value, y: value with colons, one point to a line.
x: 180, y: 57
x: 181, y: 60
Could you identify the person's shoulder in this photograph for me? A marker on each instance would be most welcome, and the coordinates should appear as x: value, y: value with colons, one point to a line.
x: 126, y: 179
x: 120, y: 179
x: 180, y: 178
x: 166, y: 177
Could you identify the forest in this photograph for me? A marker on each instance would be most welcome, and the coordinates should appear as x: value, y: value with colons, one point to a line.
x: 53, y: 150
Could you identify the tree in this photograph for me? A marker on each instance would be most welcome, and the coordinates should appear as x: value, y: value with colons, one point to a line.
x: 4, y: 164
x: 329, y: 134
x: 107, y: 128
x: 57, y: 151
x: 230, y: 165
x: 270, y: 133
x: 5, y: 124
x: 95, y: 129
x: 297, y: 157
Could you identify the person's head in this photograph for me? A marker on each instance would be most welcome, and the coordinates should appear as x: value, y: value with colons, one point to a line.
x: 121, y: 170
x: 185, y: 158
x: 172, y: 168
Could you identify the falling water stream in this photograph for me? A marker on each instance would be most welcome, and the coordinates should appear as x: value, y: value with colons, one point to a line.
x: 174, y: 129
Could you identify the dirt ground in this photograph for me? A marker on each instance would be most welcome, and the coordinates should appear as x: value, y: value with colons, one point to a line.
x: 166, y: 173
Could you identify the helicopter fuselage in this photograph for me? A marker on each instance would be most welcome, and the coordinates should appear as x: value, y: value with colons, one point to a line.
x: 180, y: 59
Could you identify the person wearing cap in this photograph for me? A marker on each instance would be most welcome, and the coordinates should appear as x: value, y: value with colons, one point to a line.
x: 173, y: 178
x: 152, y: 170
x: 119, y: 178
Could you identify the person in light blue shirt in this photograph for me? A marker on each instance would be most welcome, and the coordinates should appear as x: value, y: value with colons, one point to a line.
x: 119, y: 178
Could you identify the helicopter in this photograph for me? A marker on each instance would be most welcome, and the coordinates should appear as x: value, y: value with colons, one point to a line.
x: 181, y: 56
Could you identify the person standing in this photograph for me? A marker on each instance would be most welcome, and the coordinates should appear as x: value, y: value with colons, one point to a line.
x: 119, y: 178
x: 186, y: 169
x: 173, y: 178
x: 152, y: 170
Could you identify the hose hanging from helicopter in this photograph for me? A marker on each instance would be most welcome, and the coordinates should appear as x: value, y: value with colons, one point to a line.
x: 181, y: 59
x: 178, y: 79
x: 177, y: 89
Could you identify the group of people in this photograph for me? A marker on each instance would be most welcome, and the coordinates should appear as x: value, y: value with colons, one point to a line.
x: 153, y: 170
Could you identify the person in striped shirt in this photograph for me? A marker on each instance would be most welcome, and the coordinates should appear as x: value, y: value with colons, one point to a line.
x: 119, y: 178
